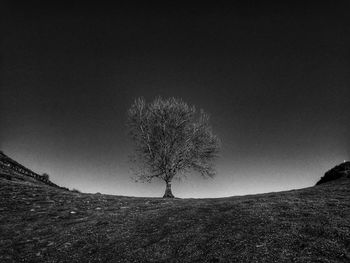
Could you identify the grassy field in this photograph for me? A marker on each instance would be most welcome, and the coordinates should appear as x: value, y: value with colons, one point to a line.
x: 39, y: 223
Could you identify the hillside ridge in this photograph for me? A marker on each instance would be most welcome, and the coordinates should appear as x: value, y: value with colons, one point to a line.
x: 340, y: 171
x: 12, y: 170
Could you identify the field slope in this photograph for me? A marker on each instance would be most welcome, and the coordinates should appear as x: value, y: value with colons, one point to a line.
x: 41, y: 223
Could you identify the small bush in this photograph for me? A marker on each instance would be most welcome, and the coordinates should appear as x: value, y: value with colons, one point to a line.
x: 45, y: 177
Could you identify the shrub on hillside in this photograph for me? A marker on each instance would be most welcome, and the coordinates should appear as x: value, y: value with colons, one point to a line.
x: 45, y: 177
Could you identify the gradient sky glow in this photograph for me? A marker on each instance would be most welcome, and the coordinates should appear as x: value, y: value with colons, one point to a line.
x: 275, y: 79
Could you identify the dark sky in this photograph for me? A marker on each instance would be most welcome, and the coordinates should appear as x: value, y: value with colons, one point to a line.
x: 275, y: 79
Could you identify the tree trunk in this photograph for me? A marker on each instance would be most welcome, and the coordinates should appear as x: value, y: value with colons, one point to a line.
x: 168, y: 193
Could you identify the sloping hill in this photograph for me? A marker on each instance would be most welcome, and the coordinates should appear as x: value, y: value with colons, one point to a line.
x: 41, y: 223
x: 338, y: 172
x: 12, y: 170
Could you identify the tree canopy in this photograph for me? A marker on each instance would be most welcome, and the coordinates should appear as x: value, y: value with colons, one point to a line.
x: 171, y: 138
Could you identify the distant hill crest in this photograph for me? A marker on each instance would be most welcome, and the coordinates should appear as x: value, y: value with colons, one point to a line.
x: 340, y: 171
x: 10, y: 169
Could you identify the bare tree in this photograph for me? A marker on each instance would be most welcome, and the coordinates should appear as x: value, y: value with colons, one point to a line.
x: 171, y: 138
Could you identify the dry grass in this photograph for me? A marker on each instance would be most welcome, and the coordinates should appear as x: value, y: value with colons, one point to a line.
x: 39, y: 223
